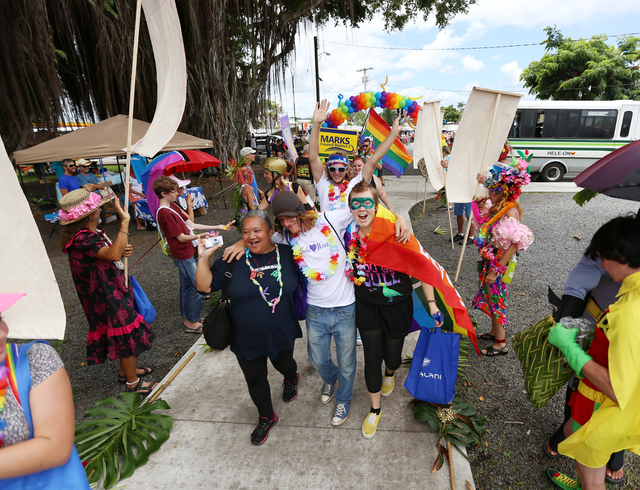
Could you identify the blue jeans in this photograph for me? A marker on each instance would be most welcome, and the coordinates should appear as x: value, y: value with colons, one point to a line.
x: 340, y: 322
x: 462, y: 207
x: 190, y: 298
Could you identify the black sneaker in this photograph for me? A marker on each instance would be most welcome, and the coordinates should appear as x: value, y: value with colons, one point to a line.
x: 290, y: 391
x: 261, y: 432
x: 458, y: 238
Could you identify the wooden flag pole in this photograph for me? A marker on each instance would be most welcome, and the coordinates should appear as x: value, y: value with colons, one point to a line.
x: 132, y: 94
x: 444, y: 177
x: 482, y: 166
x: 451, y: 474
x: 424, y: 201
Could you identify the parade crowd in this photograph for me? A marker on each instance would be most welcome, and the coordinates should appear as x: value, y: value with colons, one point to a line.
x: 310, y: 261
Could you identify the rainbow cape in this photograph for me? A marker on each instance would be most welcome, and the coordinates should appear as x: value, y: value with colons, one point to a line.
x: 396, y: 159
x: 383, y: 250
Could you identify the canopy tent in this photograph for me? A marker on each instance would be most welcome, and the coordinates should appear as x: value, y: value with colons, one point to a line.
x: 103, y: 139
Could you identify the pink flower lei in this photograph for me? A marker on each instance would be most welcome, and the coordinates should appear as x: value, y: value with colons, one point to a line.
x: 89, y: 204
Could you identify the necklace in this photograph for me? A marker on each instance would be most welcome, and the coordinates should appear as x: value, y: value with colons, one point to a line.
x: 333, y: 251
x: 257, y: 273
x: 4, y: 374
x: 483, y: 232
x: 357, y: 254
x: 342, y: 197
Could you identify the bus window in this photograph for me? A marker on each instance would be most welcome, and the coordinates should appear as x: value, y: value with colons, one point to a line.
x: 568, y: 123
x: 550, y: 123
x: 597, y: 124
x: 515, y: 128
x: 528, y: 123
x: 626, y: 124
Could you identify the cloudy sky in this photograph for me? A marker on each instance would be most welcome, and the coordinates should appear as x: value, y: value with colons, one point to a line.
x: 419, y: 70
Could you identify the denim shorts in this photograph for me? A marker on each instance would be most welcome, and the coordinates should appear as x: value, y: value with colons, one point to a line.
x: 462, y: 207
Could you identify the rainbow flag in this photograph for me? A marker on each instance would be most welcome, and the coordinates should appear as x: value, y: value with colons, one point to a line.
x: 383, y: 250
x: 397, y: 159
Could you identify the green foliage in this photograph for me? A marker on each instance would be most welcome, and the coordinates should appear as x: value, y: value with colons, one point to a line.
x: 585, y: 69
x: 584, y: 196
x: 122, y: 424
x: 455, y: 423
x: 388, y: 116
x: 357, y: 118
x: 451, y: 114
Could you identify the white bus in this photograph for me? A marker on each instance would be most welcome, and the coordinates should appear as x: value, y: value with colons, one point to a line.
x: 569, y: 136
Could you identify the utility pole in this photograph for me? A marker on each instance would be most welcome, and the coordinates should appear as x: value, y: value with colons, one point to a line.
x: 315, y: 50
x: 365, y: 78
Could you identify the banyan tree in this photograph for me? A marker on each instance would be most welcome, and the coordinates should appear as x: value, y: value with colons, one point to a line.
x: 70, y: 60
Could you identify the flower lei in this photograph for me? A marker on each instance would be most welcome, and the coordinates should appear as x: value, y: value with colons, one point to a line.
x: 4, y: 374
x: 257, y: 273
x: 333, y: 250
x: 342, y: 197
x: 357, y: 254
x: 483, y: 232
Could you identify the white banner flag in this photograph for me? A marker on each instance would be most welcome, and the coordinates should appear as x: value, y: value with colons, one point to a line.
x: 479, y: 134
x: 171, y: 69
x: 25, y: 266
x: 428, y: 142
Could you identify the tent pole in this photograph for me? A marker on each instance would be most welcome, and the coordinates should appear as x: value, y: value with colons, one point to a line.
x: 132, y: 94
x: 482, y: 166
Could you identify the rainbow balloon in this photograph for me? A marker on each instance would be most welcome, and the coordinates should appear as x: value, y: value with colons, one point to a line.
x: 367, y: 100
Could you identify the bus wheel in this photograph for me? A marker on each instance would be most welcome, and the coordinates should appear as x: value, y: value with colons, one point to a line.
x: 552, y: 173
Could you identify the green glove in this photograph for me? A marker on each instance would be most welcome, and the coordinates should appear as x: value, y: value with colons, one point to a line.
x: 565, y: 340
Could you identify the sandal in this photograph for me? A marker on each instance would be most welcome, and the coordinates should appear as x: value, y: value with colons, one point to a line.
x: 610, y: 479
x: 197, y: 330
x: 207, y: 296
x: 138, y: 388
x: 492, y: 351
x: 546, y: 447
x: 122, y: 378
x: 487, y: 336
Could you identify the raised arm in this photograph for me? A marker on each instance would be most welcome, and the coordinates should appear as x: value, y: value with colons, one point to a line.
x: 319, y: 116
x: 370, y: 164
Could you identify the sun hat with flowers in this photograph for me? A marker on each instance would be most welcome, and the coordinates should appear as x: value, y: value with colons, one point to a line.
x: 508, y: 178
x: 78, y: 204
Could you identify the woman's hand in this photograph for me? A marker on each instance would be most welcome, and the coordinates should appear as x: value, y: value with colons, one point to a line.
x: 189, y: 200
x: 433, y: 309
x: 490, y: 278
x: 480, y: 178
x: 403, y: 232
x: 480, y: 201
x: 124, y: 215
x: 128, y: 250
x: 396, y: 123
x: 444, y: 164
x: 234, y: 252
x: 321, y: 112
x: 205, y: 253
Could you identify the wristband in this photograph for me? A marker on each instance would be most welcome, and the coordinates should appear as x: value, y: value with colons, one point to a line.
x: 125, y: 232
x: 498, y: 269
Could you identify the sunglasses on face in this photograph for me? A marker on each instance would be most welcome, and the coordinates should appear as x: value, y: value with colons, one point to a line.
x: 70, y: 165
x: 364, y: 202
x: 337, y: 169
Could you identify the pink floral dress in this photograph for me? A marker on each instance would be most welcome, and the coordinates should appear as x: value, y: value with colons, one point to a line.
x: 116, y: 329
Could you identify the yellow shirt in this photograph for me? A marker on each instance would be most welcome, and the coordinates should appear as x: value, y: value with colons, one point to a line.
x: 612, y: 426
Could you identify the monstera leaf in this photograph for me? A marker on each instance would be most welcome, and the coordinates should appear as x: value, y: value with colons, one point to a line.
x: 125, y: 429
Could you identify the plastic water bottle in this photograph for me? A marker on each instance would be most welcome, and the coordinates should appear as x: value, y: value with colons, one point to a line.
x: 585, y: 326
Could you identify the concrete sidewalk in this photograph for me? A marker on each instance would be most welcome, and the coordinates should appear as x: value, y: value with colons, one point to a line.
x: 214, y: 417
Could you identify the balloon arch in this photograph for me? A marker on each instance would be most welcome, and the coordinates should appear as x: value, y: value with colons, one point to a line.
x: 367, y: 100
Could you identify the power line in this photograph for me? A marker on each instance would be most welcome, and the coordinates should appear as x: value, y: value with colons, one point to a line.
x: 466, y: 48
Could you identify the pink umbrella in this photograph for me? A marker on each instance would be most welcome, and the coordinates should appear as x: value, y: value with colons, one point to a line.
x: 158, y: 171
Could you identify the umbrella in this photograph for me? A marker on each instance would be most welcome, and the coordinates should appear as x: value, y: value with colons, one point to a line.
x: 192, y: 161
x: 616, y: 175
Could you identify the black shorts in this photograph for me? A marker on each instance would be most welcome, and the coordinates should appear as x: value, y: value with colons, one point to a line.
x: 394, y: 319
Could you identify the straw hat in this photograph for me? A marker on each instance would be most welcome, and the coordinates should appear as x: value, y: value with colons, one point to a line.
x: 83, y: 162
x: 78, y: 204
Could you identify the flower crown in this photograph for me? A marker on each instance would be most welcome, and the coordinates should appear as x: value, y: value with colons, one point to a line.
x: 508, y: 178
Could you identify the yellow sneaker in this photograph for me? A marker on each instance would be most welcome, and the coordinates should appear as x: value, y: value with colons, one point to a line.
x: 370, y: 425
x: 387, y: 385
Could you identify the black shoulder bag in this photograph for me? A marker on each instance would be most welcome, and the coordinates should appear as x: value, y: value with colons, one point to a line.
x: 218, y: 325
